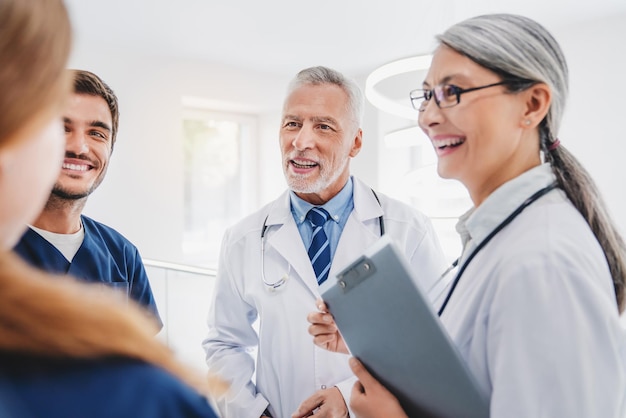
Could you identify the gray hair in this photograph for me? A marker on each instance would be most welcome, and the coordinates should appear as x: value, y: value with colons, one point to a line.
x: 324, y: 75
x: 524, y: 53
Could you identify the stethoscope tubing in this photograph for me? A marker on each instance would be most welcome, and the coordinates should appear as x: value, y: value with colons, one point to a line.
x: 492, y: 234
x: 282, y: 280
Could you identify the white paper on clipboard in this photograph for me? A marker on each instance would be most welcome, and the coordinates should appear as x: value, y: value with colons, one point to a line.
x: 390, y: 326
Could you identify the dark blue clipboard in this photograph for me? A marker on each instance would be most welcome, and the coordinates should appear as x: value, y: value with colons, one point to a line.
x: 390, y: 326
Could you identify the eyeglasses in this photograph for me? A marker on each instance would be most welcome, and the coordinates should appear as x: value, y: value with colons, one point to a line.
x: 446, y: 95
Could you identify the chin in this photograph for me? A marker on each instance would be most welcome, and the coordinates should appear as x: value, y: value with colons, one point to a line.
x: 67, y: 194
x: 443, y: 171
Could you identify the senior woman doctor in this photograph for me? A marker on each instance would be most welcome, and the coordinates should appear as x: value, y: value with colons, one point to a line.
x: 534, y: 308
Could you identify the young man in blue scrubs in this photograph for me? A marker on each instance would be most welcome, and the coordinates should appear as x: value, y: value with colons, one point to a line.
x: 62, y: 240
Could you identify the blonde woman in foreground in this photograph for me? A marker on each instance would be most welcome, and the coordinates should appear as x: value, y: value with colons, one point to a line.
x: 66, y: 350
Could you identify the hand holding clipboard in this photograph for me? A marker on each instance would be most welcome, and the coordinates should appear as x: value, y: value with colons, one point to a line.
x: 391, y: 327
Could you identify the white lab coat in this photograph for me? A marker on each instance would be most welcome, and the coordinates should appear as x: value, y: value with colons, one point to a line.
x: 534, y: 315
x: 290, y: 367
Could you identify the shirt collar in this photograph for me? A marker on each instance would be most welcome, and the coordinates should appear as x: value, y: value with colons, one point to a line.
x: 478, y: 222
x: 335, y: 206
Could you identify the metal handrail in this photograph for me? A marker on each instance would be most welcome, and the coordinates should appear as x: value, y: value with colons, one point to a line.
x: 185, y: 268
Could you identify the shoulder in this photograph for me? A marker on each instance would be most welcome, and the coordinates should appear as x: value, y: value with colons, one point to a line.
x: 552, y: 226
x: 252, y: 224
x: 550, y: 244
x: 92, y: 225
x: 108, y: 387
x: 394, y: 209
x: 401, y: 216
x: 97, y: 230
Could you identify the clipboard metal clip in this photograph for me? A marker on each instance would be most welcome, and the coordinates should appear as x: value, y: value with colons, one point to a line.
x: 355, y: 274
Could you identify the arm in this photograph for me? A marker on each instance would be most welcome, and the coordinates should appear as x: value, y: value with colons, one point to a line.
x: 140, y: 289
x: 230, y: 336
x: 553, y: 349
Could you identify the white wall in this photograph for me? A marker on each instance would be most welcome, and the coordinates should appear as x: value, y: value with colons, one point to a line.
x: 142, y: 195
x: 593, y: 125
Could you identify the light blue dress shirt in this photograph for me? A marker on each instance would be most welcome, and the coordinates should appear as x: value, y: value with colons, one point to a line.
x: 339, y: 208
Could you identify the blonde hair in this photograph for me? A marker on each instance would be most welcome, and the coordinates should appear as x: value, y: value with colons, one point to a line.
x: 55, y: 316
x: 35, y: 41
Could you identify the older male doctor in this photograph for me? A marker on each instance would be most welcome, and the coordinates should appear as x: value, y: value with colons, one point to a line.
x: 272, y: 262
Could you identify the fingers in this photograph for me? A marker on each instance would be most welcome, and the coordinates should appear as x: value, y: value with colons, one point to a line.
x: 307, y: 406
x: 324, y: 341
x: 358, y: 388
x: 321, y: 318
x: 367, y: 380
x: 322, y: 328
x: 357, y: 396
x: 325, y: 403
x: 321, y: 306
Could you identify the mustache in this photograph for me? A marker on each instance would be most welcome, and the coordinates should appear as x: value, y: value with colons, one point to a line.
x: 73, y: 155
x: 304, y: 155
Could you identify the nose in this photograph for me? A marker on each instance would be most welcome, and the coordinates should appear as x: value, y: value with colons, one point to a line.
x: 430, y: 115
x: 304, y: 139
x: 76, y: 142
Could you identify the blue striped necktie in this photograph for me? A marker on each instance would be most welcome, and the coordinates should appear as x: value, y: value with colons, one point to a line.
x: 319, y: 251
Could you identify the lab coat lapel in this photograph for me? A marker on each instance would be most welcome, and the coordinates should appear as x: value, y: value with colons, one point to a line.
x: 286, y: 240
x: 361, y: 230
x: 355, y: 238
x: 288, y: 244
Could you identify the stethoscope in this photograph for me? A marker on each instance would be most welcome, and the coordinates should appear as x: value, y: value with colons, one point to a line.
x: 484, y: 242
x: 275, y: 285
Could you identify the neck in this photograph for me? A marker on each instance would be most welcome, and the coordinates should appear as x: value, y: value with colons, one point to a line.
x: 61, y: 216
x: 323, y: 196
x: 510, y: 169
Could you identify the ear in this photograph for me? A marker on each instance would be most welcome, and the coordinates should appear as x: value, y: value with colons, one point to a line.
x: 538, y: 100
x: 356, y: 145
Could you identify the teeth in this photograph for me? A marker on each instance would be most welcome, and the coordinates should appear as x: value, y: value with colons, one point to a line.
x: 448, y: 142
x: 304, y: 165
x: 75, y: 167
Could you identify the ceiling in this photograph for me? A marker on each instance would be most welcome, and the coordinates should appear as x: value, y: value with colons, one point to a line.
x: 281, y: 37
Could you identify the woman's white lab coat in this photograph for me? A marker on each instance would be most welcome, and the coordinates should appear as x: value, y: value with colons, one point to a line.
x: 534, y: 315
x: 290, y: 367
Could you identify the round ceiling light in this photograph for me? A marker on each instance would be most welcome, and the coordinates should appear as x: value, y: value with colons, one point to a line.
x: 388, y: 71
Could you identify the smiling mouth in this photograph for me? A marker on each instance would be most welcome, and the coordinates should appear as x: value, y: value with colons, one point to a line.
x: 449, y: 143
x: 303, y: 165
x: 75, y: 167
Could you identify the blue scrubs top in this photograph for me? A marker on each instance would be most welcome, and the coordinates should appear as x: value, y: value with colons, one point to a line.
x: 105, y: 256
x: 32, y: 387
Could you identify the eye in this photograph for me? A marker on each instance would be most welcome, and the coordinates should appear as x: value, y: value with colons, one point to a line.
x: 291, y: 124
x: 98, y: 134
x: 449, y: 91
x: 325, y: 127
